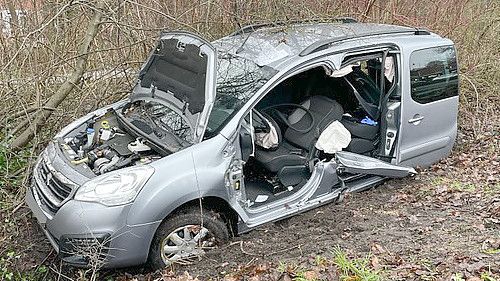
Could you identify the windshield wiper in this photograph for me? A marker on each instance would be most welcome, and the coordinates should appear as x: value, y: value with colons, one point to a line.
x: 243, y: 44
x: 163, y: 128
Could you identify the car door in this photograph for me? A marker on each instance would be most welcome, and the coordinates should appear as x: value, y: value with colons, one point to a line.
x: 359, y: 164
x: 429, y: 106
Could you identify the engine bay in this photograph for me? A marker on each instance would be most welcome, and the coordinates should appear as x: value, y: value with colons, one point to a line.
x: 104, y: 144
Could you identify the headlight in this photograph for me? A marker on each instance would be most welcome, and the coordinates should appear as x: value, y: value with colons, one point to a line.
x: 115, y: 188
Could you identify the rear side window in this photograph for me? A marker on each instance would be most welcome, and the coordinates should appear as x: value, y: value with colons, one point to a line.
x: 433, y: 74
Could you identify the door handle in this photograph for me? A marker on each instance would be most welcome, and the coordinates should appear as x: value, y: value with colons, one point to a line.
x: 416, y: 119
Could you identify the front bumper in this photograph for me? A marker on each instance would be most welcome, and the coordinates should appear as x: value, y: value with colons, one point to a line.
x: 101, y: 228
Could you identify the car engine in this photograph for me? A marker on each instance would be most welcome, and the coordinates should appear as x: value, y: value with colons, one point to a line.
x: 104, y: 145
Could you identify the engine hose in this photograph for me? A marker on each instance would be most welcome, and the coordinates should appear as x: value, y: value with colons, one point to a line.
x: 83, y: 160
x: 106, y: 167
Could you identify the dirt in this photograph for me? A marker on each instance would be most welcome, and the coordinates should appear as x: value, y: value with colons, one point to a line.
x: 444, y: 221
x: 403, y: 222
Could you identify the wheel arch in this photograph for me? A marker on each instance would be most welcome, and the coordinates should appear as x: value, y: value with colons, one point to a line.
x: 210, y: 203
x: 215, y: 204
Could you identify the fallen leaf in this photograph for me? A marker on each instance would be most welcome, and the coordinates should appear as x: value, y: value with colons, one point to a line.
x: 375, y: 263
x: 310, y: 275
x: 376, y: 248
x: 413, y: 219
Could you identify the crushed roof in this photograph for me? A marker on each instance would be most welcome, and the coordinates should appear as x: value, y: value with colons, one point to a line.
x: 290, y: 40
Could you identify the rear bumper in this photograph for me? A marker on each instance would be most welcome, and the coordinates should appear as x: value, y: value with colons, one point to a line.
x: 102, y: 230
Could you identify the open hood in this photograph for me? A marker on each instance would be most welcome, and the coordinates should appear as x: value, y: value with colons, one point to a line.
x: 181, y: 73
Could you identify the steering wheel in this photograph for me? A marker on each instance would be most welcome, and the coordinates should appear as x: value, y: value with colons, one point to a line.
x: 283, y: 118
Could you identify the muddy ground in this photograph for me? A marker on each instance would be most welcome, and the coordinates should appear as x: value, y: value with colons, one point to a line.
x: 443, y: 222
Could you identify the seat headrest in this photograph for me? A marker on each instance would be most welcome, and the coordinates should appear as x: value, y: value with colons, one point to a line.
x: 299, y: 113
x: 320, y: 104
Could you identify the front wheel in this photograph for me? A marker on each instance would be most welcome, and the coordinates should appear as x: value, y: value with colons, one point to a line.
x: 185, y: 236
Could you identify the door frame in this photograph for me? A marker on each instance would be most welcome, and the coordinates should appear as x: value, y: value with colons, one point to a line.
x: 324, y: 172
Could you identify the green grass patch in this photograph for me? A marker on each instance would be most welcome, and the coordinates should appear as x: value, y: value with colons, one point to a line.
x: 12, y: 165
x: 9, y: 272
x: 486, y: 276
x: 462, y: 187
x: 492, y: 251
x: 339, y: 264
x: 354, y: 269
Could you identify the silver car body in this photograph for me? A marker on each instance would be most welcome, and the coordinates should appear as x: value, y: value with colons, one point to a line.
x: 207, y: 168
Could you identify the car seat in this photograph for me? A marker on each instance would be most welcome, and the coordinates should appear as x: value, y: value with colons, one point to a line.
x: 294, y: 146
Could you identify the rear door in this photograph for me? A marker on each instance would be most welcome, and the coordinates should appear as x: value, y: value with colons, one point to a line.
x: 429, y: 106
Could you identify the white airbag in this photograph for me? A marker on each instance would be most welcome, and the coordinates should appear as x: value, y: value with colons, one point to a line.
x: 343, y: 71
x: 267, y: 140
x: 389, y: 71
x: 334, y: 138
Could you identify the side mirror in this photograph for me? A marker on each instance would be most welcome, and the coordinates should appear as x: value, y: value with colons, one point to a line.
x: 246, y: 143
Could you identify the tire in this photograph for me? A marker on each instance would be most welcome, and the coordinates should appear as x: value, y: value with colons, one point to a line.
x: 218, y: 232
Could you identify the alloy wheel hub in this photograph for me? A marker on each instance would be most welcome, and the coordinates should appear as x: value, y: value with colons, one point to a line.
x: 186, y: 244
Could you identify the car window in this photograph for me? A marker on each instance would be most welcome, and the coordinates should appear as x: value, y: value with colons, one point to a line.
x: 237, y: 81
x: 433, y: 74
x: 365, y: 77
x: 365, y: 85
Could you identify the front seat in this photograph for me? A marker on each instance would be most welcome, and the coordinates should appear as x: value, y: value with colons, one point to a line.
x: 294, y: 146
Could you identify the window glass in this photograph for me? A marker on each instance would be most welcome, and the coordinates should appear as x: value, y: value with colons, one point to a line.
x: 433, y: 74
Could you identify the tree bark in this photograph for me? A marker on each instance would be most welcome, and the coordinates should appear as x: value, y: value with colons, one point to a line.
x: 55, y: 100
x: 14, y: 20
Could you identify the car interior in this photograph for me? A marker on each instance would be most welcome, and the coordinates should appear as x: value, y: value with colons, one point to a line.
x: 288, y: 121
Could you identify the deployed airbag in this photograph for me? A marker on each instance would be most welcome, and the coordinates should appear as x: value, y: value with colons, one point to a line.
x: 267, y: 140
x: 334, y: 138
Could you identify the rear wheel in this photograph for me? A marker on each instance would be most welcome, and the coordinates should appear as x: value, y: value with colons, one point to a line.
x: 184, y: 237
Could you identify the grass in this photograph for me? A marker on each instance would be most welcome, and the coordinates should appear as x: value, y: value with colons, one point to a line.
x: 457, y: 277
x: 9, y: 274
x: 492, y: 251
x: 355, y: 269
x: 486, y: 276
x: 12, y: 175
x: 10, y: 164
x: 462, y: 187
x: 348, y: 269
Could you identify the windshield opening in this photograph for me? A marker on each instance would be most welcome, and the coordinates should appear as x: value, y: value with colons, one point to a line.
x: 238, y: 79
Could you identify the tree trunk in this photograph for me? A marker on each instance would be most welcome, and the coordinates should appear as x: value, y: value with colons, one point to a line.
x: 14, y: 20
x: 68, y: 85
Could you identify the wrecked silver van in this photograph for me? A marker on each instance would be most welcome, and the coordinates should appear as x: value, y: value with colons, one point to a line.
x: 218, y: 138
